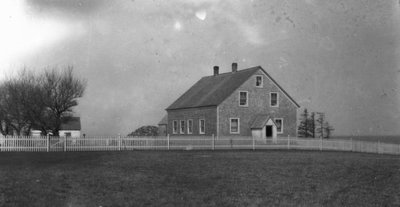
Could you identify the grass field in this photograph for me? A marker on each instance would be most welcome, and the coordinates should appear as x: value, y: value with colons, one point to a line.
x: 199, y: 178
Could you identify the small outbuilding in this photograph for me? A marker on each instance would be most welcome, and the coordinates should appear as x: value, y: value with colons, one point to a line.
x: 263, y: 127
x: 70, y: 127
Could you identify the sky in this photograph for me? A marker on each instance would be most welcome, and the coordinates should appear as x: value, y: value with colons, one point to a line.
x: 340, y: 57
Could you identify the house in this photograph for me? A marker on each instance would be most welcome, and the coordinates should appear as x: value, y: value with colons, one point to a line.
x: 70, y: 127
x: 246, y: 102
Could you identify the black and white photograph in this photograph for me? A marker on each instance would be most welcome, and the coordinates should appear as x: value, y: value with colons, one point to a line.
x: 199, y: 103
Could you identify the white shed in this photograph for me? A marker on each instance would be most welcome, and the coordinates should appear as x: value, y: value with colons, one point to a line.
x: 264, y: 127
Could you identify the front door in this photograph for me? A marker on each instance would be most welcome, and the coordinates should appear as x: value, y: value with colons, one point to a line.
x: 268, y: 131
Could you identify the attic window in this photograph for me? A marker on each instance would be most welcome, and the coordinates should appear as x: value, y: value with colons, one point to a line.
x: 243, y: 98
x: 259, y: 81
x: 274, y: 99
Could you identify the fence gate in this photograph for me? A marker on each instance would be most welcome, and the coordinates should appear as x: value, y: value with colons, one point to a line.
x: 56, y: 144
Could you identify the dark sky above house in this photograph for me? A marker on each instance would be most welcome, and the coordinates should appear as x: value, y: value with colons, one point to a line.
x: 340, y: 57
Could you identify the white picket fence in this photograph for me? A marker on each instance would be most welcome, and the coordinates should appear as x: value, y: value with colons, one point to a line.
x: 51, y: 144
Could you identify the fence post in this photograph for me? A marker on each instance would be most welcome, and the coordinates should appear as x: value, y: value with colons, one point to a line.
x: 399, y: 149
x: 213, y: 142
x: 254, y: 144
x: 288, y: 142
x: 320, y: 145
x: 352, y: 144
x: 48, y: 142
x: 119, y: 142
x: 378, y: 147
x: 65, y: 143
x: 168, y: 141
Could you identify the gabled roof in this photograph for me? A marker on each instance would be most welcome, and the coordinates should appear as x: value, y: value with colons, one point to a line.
x: 71, y: 123
x: 260, y: 121
x: 213, y: 90
x: 164, y: 120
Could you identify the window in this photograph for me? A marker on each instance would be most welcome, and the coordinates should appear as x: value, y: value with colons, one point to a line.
x: 243, y: 98
x: 182, y: 129
x: 190, y: 126
x: 202, y: 126
x: 234, y: 126
x: 279, y: 125
x: 174, y: 127
x: 67, y: 134
x: 274, y: 97
x: 259, y: 81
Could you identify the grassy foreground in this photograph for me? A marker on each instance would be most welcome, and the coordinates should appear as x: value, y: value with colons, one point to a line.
x: 199, y: 178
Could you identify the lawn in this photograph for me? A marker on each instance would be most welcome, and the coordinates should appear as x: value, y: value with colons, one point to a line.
x: 199, y: 178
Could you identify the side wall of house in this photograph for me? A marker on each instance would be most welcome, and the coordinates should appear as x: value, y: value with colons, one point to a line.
x: 209, y: 114
x: 258, y: 103
x: 74, y: 133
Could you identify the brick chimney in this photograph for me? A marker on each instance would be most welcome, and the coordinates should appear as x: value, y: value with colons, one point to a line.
x: 234, y: 67
x: 216, y: 70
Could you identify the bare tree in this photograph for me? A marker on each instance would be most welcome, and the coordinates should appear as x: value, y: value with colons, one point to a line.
x: 38, y: 101
x: 15, y: 103
x: 60, y: 91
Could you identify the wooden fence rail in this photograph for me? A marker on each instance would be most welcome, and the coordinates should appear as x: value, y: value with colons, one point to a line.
x: 54, y: 144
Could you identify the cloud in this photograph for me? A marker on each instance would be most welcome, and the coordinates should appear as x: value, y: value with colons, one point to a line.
x: 201, y: 14
x: 24, y: 34
x: 75, y: 7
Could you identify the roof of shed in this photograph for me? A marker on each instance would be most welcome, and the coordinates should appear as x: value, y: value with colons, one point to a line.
x: 260, y: 121
x: 71, y: 123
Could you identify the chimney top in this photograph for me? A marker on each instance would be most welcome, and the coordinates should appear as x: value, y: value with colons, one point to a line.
x: 234, y: 67
x: 216, y: 70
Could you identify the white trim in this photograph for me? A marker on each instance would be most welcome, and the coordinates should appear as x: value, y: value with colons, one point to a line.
x: 277, y: 99
x: 262, y: 82
x: 180, y: 127
x: 175, y: 123
x: 247, y: 99
x: 189, y: 132
x: 202, y: 132
x: 278, y: 86
x: 277, y: 131
x: 230, y: 126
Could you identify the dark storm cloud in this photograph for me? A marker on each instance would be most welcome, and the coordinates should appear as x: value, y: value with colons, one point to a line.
x: 75, y: 7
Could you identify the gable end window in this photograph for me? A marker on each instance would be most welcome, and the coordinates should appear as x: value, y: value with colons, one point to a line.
x: 243, y: 98
x: 174, y: 127
x: 274, y: 99
x: 234, y: 126
x: 202, y: 126
x: 279, y: 125
x: 190, y: 126
x: 259, y: 81
x: 182, y: 129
